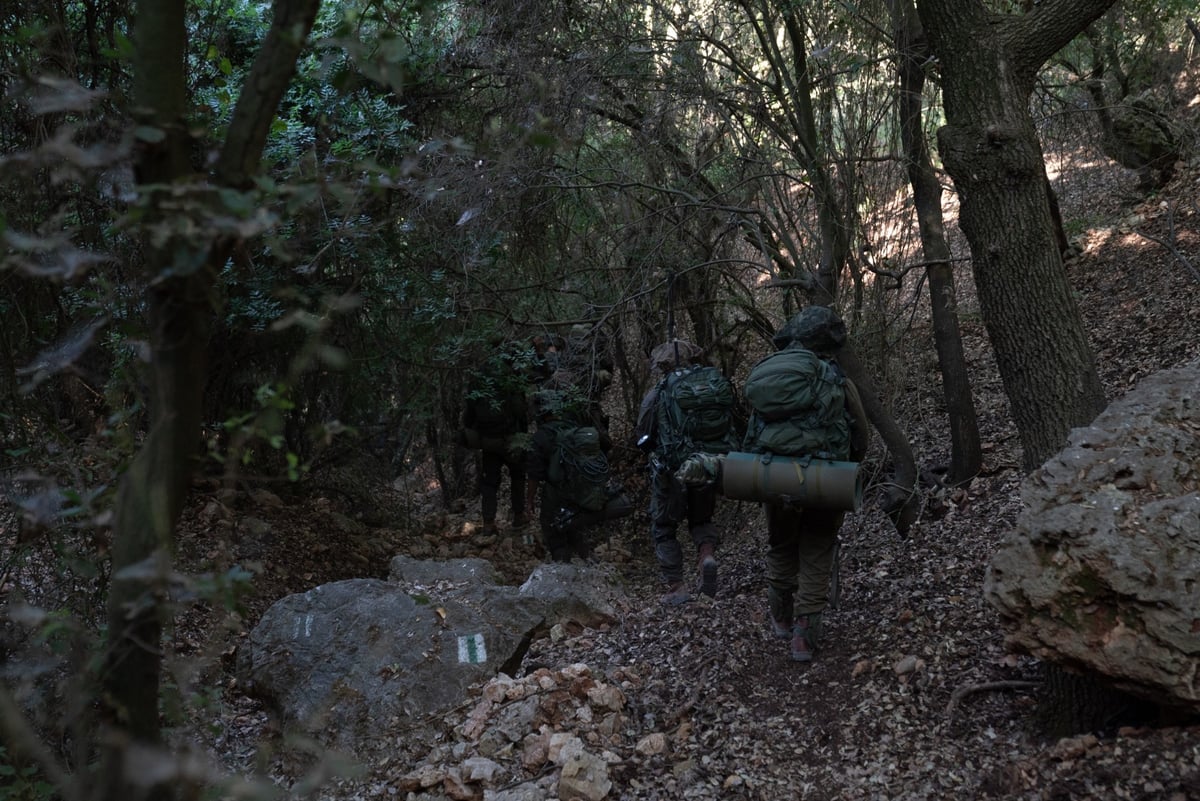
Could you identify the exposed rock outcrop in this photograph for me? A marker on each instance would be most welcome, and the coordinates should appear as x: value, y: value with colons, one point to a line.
x: 1103, y: 570
x: 1138, y: 134
x: 349, y: 660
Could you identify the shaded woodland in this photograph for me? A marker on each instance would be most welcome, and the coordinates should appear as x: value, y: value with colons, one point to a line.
x: 262, y: 246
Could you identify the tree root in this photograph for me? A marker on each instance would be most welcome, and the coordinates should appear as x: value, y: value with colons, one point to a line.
x: 700, y: 685
x: 962, y: 692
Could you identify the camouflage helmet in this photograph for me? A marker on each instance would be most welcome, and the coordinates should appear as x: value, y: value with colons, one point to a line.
x: 676, y: 353
x: 815, y: 327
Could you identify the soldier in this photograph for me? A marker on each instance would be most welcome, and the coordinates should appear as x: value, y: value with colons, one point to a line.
x: 691, y: 409
x: 494, y: 420
x: 567, y: 461
x: 831, y: 424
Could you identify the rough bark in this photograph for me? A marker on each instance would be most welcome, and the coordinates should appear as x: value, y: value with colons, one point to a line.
x: 990, y: 148
x: 1074, y: 703
x: 180, y: 313
x: 901, y: 501
x: 966, y: 453
x: 150, y: 494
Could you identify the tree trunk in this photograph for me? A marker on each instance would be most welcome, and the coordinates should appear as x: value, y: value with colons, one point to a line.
x: 901, y: 501
x: 991, y: 150
x: 966, y: 452
x: 152, y: 492
x: 1077, y: 703
x: 797, y: 129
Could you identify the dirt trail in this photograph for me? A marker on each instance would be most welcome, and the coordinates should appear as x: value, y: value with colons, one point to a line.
x: 896, y: 705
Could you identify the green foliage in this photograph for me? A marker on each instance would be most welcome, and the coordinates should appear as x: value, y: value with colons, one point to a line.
x: 440, y: 176
x: 1132, y: 48
x: 21, y: 781
x: 260, y: 431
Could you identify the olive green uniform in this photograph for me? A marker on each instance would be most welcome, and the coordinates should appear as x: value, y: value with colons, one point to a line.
x: 801, y: 543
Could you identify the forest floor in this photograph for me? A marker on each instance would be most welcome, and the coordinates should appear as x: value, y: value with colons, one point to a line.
x: 914, y: 695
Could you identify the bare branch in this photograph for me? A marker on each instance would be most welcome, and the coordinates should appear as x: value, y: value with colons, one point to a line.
x: 1170, y: 243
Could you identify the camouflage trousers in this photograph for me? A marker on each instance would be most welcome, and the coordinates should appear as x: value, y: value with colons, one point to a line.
x: 801, y: 544
x: 490, y: 467
x: 670, y: 504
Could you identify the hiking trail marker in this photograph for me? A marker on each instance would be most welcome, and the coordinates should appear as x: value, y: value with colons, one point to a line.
x: 472, y: 649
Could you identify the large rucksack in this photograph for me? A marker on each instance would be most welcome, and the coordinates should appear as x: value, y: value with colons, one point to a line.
x: 694, y: 414
x: 578, y: 468
x: 799, y: 406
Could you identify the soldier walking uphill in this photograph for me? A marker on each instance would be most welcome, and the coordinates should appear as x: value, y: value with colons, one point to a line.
x: 568, y: 462
x: 495, y: 420
x: 803, y: 406
x: 692, y: 409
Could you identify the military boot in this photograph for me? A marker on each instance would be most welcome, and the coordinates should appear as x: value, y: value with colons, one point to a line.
x: 707, y: 571
x: 558, y: 544
x: 780, y: 608
x: 805, y: 631
x: 675, y: 593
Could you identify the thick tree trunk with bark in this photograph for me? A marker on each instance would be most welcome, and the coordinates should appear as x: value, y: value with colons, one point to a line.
x: 966, y: 452
x: 152, y: 492
x: 991, y: 150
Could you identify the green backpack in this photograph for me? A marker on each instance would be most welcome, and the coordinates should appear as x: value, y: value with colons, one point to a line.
x: 578, y: 468
x: 799, y: 403
x: 694, y: 414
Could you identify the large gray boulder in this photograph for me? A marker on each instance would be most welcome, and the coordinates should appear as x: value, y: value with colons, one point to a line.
x: 1102, y: 572
x: 352, y: 660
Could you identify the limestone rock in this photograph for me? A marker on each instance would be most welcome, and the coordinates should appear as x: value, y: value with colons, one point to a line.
x: 584, y: 778
x: 348, y: 660
x: 1101, y: 570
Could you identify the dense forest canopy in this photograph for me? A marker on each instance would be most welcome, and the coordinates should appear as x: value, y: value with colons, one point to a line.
x: 249, y: 240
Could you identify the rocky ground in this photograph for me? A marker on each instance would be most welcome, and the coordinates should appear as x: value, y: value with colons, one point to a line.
x: 913, y: 696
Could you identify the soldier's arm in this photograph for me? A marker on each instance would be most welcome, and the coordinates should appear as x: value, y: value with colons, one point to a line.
x: 646, y: 421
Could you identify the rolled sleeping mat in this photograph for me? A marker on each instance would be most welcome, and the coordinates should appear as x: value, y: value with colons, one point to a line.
x: 807, y: 482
